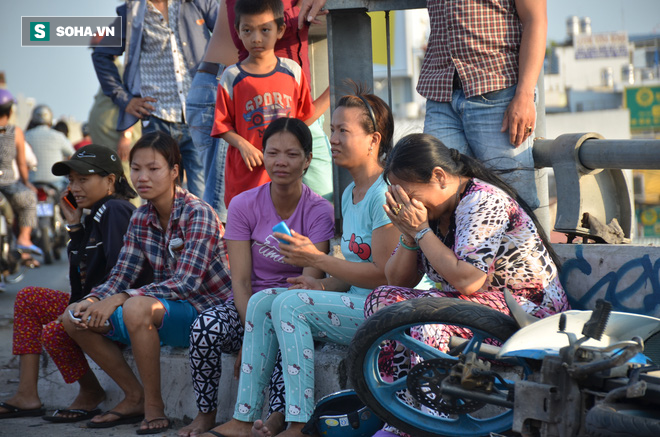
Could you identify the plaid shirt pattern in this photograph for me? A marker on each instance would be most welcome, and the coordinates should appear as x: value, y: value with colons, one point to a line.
x: 478, y: 38
x: 163, y: 71
x: 197, y: 272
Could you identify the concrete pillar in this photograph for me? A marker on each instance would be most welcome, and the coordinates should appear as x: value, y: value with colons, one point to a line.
x: 349, y: 51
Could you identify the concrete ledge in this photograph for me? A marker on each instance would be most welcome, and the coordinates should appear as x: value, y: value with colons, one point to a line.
x: 176, y: 381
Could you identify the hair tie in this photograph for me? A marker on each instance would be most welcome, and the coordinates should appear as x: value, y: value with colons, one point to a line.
x: 455, y: 155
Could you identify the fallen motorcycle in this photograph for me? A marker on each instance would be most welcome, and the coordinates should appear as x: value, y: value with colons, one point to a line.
x: 572, y: 374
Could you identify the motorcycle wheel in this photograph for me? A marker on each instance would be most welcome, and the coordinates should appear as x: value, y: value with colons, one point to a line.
x: 46, y: 245
x: 394, y: 323
x: 621, y: 420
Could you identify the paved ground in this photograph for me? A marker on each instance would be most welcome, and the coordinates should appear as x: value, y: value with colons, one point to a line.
x: 53, y: 276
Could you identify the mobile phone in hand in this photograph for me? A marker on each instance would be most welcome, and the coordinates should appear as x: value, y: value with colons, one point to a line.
x: 77, y: 319
x: 70, y: 199
x: 282, y: 228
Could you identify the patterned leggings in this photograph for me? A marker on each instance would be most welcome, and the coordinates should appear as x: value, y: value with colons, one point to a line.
x: 24, y: 202
x: 36, y: 310
x: 216, y: 331
x: 394, y: 361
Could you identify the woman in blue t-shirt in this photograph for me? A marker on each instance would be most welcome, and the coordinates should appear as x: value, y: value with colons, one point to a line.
x: 328, y: 309
x: 256, y: 262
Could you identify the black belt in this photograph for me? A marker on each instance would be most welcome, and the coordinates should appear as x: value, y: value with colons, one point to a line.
x: 456, y: 82
x: 209, y: 67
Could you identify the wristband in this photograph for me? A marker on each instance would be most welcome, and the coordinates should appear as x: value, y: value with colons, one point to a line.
x: 74, y: 228
x: 420, y: 234
x: 405, y: 245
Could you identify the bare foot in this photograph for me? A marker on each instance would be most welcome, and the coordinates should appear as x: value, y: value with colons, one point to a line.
x: 200, y: 424
x: 275, y: 424
x: 259, y: 429
x: 233, y: 428
x: 127, y: 407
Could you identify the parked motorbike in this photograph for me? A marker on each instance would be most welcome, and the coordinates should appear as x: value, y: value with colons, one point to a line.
x: 50, y: 234
x: 572, y: 374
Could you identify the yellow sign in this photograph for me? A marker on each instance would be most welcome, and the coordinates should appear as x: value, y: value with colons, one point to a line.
x: 379, y: 38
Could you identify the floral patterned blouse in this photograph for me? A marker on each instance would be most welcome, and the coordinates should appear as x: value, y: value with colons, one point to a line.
x: 491, y: 231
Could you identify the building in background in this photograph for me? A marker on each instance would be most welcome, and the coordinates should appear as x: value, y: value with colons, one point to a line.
x: 608, y: 83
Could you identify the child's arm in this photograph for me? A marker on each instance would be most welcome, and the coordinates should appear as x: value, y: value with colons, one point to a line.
x: 252, y: 156
x: 321, y: 104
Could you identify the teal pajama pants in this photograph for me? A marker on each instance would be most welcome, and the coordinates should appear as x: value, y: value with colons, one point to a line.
x: 291, y: 320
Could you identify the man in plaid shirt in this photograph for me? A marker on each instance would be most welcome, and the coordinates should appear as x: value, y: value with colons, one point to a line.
x: 479, y: 76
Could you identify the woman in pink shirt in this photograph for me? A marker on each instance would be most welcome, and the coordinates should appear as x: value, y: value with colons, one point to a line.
x: 256, y: 262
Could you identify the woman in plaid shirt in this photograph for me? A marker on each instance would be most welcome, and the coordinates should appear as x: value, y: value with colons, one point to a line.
x: 179, y: 238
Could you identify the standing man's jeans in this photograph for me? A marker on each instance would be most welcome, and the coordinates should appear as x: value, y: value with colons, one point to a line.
x: 472, y: 126
x: 200, y: 108
x: 190, y: 157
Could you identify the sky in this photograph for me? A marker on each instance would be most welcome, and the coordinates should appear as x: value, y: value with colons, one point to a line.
x: 63, y: 77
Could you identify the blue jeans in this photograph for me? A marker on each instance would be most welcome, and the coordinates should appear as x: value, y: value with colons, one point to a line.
x: 200, y: 108
x: 472, y: 126
x: 190, y: 157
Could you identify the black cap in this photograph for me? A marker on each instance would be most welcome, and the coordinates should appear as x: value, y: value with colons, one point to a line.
x: 91, y: 159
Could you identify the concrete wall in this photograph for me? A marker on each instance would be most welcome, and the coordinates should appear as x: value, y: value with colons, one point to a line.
x: 625, y: 275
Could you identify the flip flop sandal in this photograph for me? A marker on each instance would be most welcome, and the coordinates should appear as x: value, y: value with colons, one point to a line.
x: 122, y: 419
x: 78, y: 415
x: 33, y: 249
x: 30, y: 262
x: 14, y: 411
x: 156, y: 430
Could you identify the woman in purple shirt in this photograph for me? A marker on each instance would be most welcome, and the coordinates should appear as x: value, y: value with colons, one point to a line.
x: 256, y: 262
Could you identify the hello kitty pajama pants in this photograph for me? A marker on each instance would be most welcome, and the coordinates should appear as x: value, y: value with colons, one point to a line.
x: 290, y: 321
x: 218, y: 330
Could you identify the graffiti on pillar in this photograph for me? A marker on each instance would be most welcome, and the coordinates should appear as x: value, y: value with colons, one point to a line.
x: 633, y: 287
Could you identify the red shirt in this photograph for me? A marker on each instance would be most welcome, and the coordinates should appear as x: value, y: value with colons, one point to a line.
x: 82, y: 143
x: 247, y: 104
x: 293, y: 44
x: 478, y: 38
